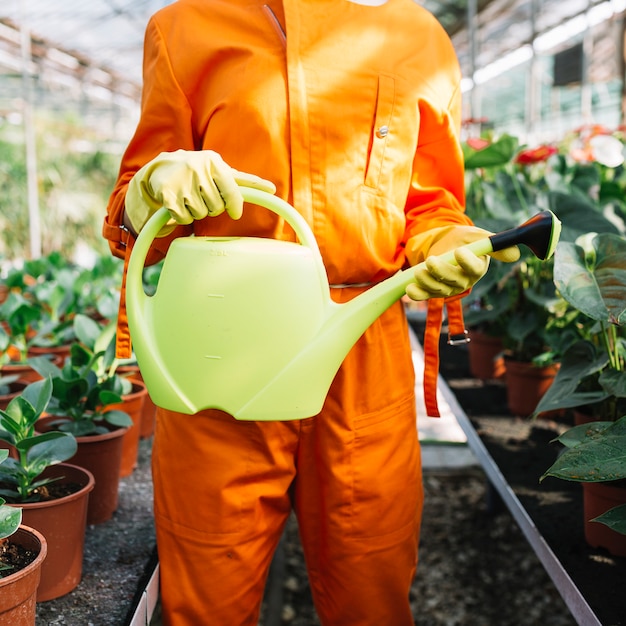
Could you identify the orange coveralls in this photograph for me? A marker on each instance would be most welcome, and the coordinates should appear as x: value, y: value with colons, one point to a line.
x: 353, y: 112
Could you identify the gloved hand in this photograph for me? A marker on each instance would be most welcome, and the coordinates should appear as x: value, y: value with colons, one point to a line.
x: 440, y: 279
x: 190, y: 185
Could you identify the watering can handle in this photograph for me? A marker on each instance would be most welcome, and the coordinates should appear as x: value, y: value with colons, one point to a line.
x: 254, y: 196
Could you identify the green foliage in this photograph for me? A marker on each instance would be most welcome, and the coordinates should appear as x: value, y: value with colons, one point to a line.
x: 595, y: 452
x: 591, y: 276
x: 75, y: 178
x: 10, y: 516
x: 505, y: 185
x: 87, y: 383
x: 20, y: 478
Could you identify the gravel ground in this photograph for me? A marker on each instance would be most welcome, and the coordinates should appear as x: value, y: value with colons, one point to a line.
x: 116, y: 554
x: 475, y: 566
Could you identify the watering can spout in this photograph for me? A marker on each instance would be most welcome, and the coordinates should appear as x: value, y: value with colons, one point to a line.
x: 261, y: 338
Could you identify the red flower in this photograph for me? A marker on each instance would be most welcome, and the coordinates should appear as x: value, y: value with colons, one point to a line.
x: 535, y: 155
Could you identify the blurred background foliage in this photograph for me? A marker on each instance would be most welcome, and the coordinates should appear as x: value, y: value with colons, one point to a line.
x: 75, y: 175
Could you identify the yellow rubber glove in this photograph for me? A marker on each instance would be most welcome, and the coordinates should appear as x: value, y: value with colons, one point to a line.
x: 439, y: 279
x: 190, y: 185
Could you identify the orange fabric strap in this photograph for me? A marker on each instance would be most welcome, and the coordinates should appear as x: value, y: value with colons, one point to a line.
x: 456, y: 334
x: 123, y: 347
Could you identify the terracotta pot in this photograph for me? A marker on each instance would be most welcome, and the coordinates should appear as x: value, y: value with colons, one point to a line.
x: 102, y: 456
x: 526, y: 384
x: 485, y: 356
x: 60, y: 352
x: 18, y: 591
x: 598, y: 498
x: 132, y: 403
x: 15, y: 389
x: 25, y: 372
x: 62, y: 522
x: 148, y: 417
x: 582, y: 416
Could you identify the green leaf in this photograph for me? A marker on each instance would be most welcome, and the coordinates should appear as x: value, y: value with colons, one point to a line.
x: 39, y: 394
x: 600, y: 457
x: 579, y: 361
x: 613, y: 382
x: 87, y: 331
x: 19, y: 416
x: 497, y: 153
x: 581, y: 433
x: 79, y: 427
x: 117, y: 418
x: 10, y: 519
x: 594, y: 281
x: 47, y: 449
x: 44, y: 367
x: 615, y: 519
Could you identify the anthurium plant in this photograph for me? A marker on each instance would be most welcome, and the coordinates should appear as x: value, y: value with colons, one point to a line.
x: 20, y: 479
x: 87, y: 383
x: 595, y: 453
x: 591, y: 276
x: 506, y: 184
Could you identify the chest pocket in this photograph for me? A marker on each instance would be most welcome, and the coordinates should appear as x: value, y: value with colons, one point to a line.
x: 381, y: 130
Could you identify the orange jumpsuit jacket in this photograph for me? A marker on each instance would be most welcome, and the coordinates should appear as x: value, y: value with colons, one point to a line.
x: 364, y: 143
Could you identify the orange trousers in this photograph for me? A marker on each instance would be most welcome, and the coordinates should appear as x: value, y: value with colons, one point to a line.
x: 225, y: 488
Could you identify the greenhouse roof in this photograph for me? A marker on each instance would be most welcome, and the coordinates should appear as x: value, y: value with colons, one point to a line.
x: 110, y: 32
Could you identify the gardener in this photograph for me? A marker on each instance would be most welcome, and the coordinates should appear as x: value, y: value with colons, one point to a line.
x: 353, y: 113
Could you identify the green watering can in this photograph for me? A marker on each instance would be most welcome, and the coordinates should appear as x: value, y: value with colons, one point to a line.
x: 247, y: 325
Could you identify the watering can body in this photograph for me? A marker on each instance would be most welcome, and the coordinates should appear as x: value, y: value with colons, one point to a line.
x: 246, y: 325
x: 230, y: 319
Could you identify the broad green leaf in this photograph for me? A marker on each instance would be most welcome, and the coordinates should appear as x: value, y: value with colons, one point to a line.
x: 117, y: 418
x: 595, y: 286
x: 44, y: 367
x: 10, y: 519
x: 615, y: 519
x: 614, y: 382
x: 581, y: 433
x: 79, y: 428
x: 39, y: 394
x: 21, y: 413
x: 106, y: 397
x: 497, y: 153
x: 599, y: 458
x: 578, y: 215
x: 87, y: 331
x: 579, y: 361
x: 47, y: 449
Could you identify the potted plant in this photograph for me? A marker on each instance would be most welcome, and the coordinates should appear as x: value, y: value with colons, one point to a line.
x: 22, y: 552
x: 592, y: 379
x: 17, y: 316
x: 521, y: 304
x: 53, y: 494
x: 594, y: 457
x: 47, y: 284
x: 87, y: 401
